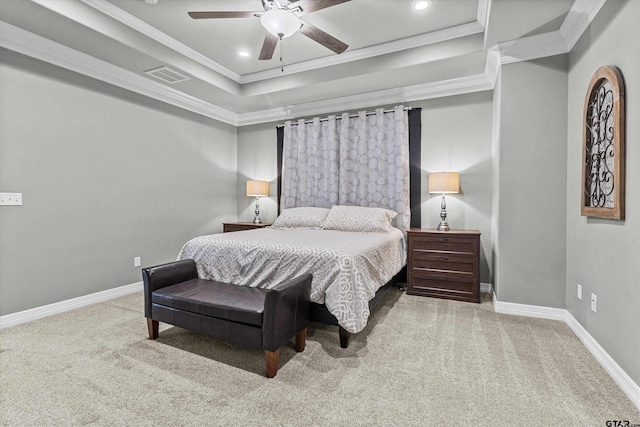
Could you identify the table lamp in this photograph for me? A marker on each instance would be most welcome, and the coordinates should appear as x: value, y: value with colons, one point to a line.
x: 444, y: 182
x: 257, y: 189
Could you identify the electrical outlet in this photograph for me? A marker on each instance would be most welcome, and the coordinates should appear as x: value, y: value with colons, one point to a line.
x: 579, y: 291
x: 136, y: 261
x: 594, y: 300
x: 11, y: 199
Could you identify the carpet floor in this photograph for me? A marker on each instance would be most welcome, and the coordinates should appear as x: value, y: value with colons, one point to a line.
x: 419, y: 362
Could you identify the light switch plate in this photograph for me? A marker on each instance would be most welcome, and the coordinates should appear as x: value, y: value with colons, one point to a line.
x: 10, y: 199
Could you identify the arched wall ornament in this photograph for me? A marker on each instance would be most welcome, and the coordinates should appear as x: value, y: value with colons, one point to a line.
x: 603, y: 159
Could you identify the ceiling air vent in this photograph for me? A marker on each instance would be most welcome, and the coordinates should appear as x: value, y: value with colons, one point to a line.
x: 167, y: 75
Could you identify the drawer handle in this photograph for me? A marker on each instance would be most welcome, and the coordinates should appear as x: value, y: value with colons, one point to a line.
x: 443, y: 278
x: 443, y: 240
x: 443, y: 258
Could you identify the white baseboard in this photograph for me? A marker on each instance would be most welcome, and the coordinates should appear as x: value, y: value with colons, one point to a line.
x: 621, y: 378
x: 628, y: 386
x: 529, y: 310
x: 486, y: 288
x: 70, y: 304
x: 624, y: 381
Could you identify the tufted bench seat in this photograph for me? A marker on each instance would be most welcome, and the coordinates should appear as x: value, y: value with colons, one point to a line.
x: 254, y: 317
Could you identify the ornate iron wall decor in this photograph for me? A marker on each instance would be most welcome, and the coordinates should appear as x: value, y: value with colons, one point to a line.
x: 603, y: 146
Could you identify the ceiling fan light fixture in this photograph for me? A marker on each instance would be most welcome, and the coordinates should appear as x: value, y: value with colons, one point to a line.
x: 280, y: 23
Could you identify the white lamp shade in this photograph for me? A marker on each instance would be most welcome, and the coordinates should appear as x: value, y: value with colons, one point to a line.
x: 444, y: 182
x: 280, y: 23
x: 257, y: 188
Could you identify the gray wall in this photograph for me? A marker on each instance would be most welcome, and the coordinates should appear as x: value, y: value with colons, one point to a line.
x: 604, y: 255
x: 495, y: 181
x: 106, y: 175
x: 456, y: 136
x: 531, y: 162
x: 257, y: 160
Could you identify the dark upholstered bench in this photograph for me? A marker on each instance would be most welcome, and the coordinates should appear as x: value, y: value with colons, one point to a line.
x: 259, y: 318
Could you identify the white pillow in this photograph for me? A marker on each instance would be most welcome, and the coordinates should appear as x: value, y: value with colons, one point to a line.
x: 307, y: 217
x: 359, y: 219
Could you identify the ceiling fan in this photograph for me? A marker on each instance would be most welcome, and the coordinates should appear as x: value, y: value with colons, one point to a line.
x: 281, y: 19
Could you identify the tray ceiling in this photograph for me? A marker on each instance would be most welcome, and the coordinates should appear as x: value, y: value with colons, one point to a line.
x: 393, y: 48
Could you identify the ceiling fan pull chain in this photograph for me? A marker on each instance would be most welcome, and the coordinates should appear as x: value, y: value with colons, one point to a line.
x: 281, y: 55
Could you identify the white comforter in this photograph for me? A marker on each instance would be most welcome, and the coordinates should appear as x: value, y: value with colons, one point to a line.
x: 348, y: 268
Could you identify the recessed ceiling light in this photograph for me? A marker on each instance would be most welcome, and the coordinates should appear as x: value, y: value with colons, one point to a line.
x: 243, y: 53
x: 421, y: 5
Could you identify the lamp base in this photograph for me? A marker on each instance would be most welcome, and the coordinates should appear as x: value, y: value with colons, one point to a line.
x: 257, y: 219
x: 443, y: 226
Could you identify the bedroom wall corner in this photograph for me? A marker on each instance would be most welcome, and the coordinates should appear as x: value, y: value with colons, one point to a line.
x: 531, y: 158
x: 257, y: 159
x: 106, y: 175
x: 456, y: 136
x: 602, y: 255
x: 495, y: 182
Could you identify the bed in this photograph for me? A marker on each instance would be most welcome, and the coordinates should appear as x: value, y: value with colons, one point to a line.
x: 343, y: 295
x: 357, y: 253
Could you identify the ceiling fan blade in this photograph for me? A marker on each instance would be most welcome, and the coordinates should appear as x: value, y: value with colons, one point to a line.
x: 223, y: 14
x: 326, y: 40
x: 268, y: 47
x: 309, y: 6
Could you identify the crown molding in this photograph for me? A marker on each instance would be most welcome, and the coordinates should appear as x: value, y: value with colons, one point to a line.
x: 41, y: 48
x: 438, y: 89
x: 450, y: 33
x: 532, y: 47
x: 343, y: 103
x: 528, y: 48
x: 552, y: 43
x: 483, y: 12
x: 492, y: 66
x: 450, y: 87
x: 153, y: 33
x: 35, y: 46
x: 580, y: 16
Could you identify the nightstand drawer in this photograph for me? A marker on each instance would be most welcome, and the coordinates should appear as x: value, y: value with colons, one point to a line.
x: 441, y: 284
x: 442, y: 244
x: 444, y: 264
x: 442, y: 261
x: 228, y: 227
x: 444, y: 276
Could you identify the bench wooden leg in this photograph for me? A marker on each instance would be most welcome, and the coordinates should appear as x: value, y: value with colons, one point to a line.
x: 152, y: 326
x: 272, y: 362
x: 344, y: 337
x: 301, y: 340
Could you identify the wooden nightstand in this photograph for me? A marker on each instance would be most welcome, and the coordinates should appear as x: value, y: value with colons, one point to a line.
x: 228, y: 227
x: 444, y: 264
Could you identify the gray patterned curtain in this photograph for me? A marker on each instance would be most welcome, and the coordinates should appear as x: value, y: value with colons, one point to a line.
x: 361, y: 161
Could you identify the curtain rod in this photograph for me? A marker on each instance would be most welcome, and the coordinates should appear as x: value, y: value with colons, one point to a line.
x: 368, y: 113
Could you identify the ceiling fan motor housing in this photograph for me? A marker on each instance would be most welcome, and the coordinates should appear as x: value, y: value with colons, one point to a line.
x: 281, y: 19
x: 280, y: 22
